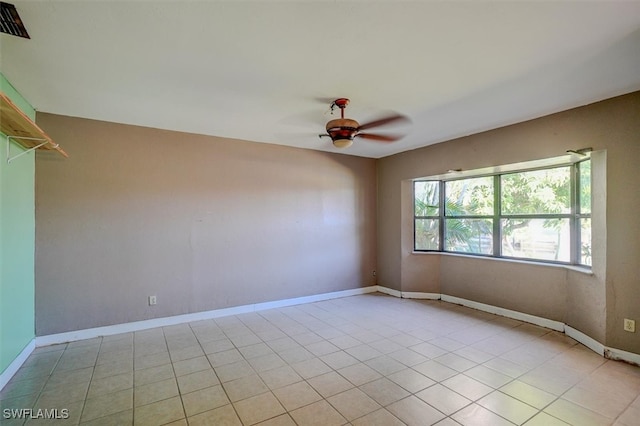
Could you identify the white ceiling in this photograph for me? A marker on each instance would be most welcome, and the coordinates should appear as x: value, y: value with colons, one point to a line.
x: 266, y: 71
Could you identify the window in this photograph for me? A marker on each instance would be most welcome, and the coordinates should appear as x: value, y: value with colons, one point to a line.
x: 541, y: 214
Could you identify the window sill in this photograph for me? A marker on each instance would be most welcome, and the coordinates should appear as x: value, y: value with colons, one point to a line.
x: 581, y: 269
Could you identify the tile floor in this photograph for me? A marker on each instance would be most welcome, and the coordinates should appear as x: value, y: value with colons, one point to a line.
x: 362, y: 360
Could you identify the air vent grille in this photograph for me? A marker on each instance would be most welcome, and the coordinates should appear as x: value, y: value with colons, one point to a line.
x: 10, y: 21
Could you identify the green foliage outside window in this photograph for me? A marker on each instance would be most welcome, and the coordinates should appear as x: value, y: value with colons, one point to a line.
x: 532, y: 217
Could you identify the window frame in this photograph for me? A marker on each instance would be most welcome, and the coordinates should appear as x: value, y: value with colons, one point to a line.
x: 575, y: 215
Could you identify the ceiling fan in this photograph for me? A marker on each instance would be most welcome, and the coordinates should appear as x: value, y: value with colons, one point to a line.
x: 342, y: 130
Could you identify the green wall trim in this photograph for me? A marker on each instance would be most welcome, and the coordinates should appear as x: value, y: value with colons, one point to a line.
x: 17, y: 243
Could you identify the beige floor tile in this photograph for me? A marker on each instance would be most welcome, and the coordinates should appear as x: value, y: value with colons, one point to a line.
x: 40, y: 371
x: 359, y: 374
x: 475, y: 415
x: 189, y: 352
x: 455, y: 362
x: 215, y: 346
x: 153, y: 360
x: 266, y: 362
x: 295, y: 354
x: 528, y: 394
x: 307, y: 338
x: 258, y: 408
x: 443, y: 399
x: 107, y: 404
x: 245, y: 340
x: 115, y: 355
x: 505, y: 406
x: 345, y: 342
x: 204, y: 400
x: 24, y: 401
x: 198, y: 380
x: 363, y: 352
x: 283, y: 343
x: 329, y: 384
x: 543, y: 419
x: 548, y: 381
x: 280, y: 377
x: 122, y: 418
x: 153, y: 392
x: 353, y: 404
x: 384, y: 391
x: 337, y: 360
x: 229, y: 356
x: 385, y: 365
x: 234, y: 371
x: 322, y: 348
x: 595, y: 399
x: 153, y: 374
x: 110, y: 384
x: 311, y: 368
x: 245, y: 387
x: 414, y: 411
x: 473, y: 354
x: 319, y: 413
x: 70, y: 376
x: 467, y: 387
x: 282, y: 420
x: 428, y: 350
x: 63, y: 395
x: 16, y: 388
x: 386, y: 346
x: 574, y: 414
x: 630, y: 417
x: 435, y: 370
x: 192, y: 365
x: 157, y: 413
x: 379, y: 417
x: 447, y: 343
x: 296, y: 395
x: 411, y: 380
x: 224, y: 415
x: 253, y: 351
x: 118, y: 366
x: 373, y: 340
x: 506, y: 367
x: 488, y: 376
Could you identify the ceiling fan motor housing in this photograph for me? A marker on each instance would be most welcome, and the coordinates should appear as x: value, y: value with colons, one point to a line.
x: 342, y: 131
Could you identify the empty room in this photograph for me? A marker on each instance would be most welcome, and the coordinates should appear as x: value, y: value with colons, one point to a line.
x: 319, y: 213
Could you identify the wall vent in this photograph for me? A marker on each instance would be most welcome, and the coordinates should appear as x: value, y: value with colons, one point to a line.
x: 10, y: 21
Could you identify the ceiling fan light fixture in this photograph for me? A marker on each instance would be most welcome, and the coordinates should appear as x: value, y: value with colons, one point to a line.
x: 342, y: 143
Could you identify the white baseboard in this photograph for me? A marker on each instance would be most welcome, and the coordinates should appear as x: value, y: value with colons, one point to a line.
x: 542, y: 322
x: 420, y: 295
x: 589, y: 342
x: 594, y: 345
x: 15, y: 365
x: 408, y: 294
x: 129, y: 327
x: 389, y: 291
x: 620, y: 355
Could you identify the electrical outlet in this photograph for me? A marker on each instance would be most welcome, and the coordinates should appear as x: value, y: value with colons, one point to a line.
x: 374, y: 273
x: 629, y: 325
x: 152, y: 300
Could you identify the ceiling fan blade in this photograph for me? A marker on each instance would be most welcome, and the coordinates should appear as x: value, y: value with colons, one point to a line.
x: 383, y: 121
x: 380, y: 138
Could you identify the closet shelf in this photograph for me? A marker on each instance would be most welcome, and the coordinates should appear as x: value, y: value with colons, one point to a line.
x: 19, y: 128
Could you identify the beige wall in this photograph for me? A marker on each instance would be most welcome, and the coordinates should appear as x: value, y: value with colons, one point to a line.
x: 201, y: 222
x: 594, y: 304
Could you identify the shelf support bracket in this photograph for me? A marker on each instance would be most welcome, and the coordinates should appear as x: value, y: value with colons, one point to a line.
x: 16, y: 138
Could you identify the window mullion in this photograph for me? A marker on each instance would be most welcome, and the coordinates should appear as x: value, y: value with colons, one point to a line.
x: 497, y: 211
x: 441, y: 212
x: 574, y: 236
